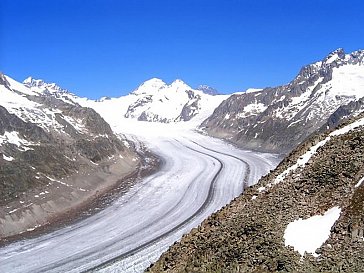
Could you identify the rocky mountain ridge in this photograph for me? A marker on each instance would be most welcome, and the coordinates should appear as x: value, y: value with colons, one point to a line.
x: 40, y: 85
x: 278, y: 119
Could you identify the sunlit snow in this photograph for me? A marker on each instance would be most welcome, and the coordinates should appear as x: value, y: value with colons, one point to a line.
x: 307, y: 156
x: 13, y: 138
x: 309, y: 234
x: 8, y: 158
x: 359, y: 183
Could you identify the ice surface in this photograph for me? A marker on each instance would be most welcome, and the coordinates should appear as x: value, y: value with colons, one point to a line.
x: 161, y: 204
x: 249, y: 90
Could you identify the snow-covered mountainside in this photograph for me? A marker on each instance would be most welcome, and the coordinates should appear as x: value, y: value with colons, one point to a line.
x: 305, y: 216
x: 156, y: 101
x: 47, y: 144
x: 278, y: 119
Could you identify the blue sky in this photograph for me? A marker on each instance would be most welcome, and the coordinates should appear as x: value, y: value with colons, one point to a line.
x: 107, y: 48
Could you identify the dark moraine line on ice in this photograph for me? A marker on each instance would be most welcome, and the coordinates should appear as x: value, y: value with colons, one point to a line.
x: 247, y: 174
x: 141, y: 247
x: 207, y: 201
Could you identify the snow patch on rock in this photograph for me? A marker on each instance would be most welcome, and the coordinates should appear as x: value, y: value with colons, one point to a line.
x: 309, y: 234
x: 8, y: 158
x: 359, y: 183
x: 13, y: 138
x: 307, y: 156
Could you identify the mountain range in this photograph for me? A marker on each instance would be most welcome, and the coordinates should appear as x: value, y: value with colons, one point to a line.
x: 156, y: 101
x: 271, y: 119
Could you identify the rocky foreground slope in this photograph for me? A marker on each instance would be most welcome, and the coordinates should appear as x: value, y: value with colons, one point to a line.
x: 54, y: 154
x: 319, y: 188
x: 278, y: 119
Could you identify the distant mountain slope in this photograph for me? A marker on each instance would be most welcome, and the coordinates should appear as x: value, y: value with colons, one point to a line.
x: 207, y: 89
x: 47, y: 144
x: 312, y: 202
x: 278, y: 119
x: 156, y: 101
x: 351, y: 109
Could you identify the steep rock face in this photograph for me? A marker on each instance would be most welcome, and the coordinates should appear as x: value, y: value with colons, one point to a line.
x: 191, y: 108
x: 325, y: 173
x: 278, y: 119
x: 17, y: 141
x: 351, y: 109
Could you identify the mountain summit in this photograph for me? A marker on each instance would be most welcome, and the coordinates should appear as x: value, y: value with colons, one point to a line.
x: 155, y: 85
x: 148, y: 86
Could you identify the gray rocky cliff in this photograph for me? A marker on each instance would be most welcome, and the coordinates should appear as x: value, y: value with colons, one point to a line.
x: 73, y: 138
x: 278, y: 119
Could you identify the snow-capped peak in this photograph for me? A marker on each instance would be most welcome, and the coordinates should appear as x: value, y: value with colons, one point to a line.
x: 154, y: 85
x: 340, y: 52
x: 341, y: 58
x: 154, y: 81
x: 42, y: 85
x: 180, y: 85
x: 151, y: 85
